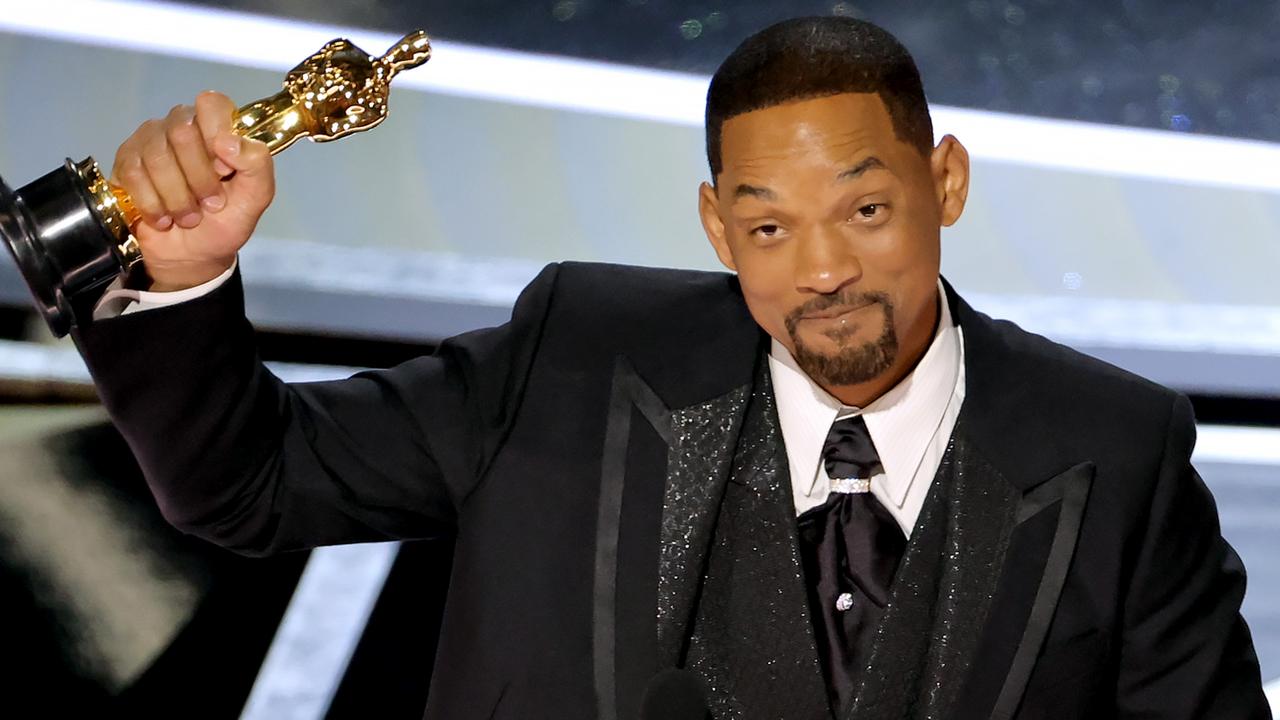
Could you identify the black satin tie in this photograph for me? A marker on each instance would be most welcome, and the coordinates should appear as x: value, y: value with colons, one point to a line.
x: 850, y: 546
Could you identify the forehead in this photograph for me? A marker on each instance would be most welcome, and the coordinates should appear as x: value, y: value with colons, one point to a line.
x: 836, y: 128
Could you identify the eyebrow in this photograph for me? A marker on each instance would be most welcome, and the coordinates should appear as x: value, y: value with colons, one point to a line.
x: 871, y: 163
x: 764, y: 193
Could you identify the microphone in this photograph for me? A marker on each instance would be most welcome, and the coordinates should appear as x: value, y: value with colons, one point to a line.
x: 675, y: 694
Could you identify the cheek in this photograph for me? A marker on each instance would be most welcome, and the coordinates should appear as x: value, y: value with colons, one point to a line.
x: 904, y: 258
x: 913, y: 285
x: 768, y: 293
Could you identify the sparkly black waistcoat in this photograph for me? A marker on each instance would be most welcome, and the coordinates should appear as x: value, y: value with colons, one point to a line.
x: 751, y: 635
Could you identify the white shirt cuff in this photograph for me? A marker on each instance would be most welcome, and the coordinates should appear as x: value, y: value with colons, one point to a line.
x: 119, y: 300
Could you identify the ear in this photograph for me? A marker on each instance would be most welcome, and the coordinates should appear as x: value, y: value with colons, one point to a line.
x: 713, y: 224
x: 950, y: 166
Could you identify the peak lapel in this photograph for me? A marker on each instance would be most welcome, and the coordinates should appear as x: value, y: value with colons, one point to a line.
x: 698, y: 466
x: 750, y: 636
x: 664, y: 446
x: 1042, y: 544
x: 636, y: 414
x: 998, y: 422
x: 943, y: 591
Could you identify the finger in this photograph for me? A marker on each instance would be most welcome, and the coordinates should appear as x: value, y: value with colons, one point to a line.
x: 215, y: 114
x: 254, y: 183
x: 194, y: 158
x: 166, y: 175
x: 129, y: 173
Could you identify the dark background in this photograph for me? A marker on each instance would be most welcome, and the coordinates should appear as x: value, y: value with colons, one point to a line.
x: 1211, y: 66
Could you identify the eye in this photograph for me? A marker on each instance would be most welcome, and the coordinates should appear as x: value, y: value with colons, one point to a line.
x: 766, y: 231
x: 870, y: 211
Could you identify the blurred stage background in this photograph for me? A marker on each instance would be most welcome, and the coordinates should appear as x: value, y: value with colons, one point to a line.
x: 1125, y: 200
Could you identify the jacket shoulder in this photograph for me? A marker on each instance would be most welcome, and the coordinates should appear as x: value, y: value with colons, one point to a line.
x: 686, y: 332
x: 621, y: 285
x: 1040, y: 404
x: 650, y: 304
x: 1089, y: 380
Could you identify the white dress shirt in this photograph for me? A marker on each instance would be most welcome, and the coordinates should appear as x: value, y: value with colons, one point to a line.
x: 119, y: 300
x: 910, y: 424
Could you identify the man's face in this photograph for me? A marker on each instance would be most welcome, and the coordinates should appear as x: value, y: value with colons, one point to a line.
x: 833, y: 226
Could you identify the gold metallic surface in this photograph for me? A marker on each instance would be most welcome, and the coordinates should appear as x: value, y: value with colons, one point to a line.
x: 115, y: 209
x: 337, y: 91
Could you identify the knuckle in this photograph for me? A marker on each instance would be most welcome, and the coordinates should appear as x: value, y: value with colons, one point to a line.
x: 156, y: 151
x: 212, y: 101
x: 130, y: 169
x: 147, y: 202
x: 123, y: 155
x: 148, y: 129
x: 182, y: 133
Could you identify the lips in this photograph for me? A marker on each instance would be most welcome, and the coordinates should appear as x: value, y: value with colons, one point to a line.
x: 834, y: 312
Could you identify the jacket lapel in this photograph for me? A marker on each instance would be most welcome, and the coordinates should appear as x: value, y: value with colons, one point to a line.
x: 673, y: 420
x: 999, y: 424
x: 698, y: 466
x: 646, y: 616
x: 1042, y: 544
x: 942, y: 593
x: 668, y: 461
x: 636, y: 413
x: 751, y: 640
x: 1061, y: 498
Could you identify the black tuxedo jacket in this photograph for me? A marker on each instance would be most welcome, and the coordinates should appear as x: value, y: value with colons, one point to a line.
x: 551, y: 449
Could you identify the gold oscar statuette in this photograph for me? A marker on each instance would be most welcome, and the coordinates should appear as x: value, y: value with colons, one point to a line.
x: 69, y: 231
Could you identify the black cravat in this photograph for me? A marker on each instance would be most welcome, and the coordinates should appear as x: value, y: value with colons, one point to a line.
x: 851, y: 547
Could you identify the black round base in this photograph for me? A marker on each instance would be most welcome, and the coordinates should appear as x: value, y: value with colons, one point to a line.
x: 60, y: 245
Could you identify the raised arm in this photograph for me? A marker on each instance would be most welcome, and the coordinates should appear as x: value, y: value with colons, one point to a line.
x: 237, y: 456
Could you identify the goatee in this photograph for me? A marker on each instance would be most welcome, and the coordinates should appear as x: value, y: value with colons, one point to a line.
x: 851, y: 364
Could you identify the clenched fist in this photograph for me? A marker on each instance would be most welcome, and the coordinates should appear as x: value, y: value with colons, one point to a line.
x: 199, y: 187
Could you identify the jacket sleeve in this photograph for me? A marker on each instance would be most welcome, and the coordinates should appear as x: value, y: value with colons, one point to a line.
x: 237, y: 456
x: 1186, y: 651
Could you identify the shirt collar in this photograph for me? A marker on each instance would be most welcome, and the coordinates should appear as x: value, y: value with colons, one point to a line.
x: 902, y: 422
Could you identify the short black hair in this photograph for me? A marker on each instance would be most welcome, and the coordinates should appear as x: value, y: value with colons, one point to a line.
x: 813, y: 57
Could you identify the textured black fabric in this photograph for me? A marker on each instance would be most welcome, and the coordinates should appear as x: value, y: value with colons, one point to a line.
x: 752, y: 640
x: 851, y: 547
x: 941, y: 594
x: 498, y: 440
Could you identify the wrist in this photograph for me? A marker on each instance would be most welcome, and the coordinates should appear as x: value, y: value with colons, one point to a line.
x: 172, y: 278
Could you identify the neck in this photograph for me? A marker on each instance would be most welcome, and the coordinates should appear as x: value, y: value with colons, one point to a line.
x: 915, y: 343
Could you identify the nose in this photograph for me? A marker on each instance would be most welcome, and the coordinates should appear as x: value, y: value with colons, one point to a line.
x: 825, y: 262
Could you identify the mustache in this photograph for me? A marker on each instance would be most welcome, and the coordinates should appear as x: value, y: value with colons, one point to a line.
x: 846, y: 298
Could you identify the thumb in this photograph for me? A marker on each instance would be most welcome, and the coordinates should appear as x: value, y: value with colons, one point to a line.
x: 254, y: 177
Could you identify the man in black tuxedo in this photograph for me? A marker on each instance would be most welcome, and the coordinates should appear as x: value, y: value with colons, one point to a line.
x: 823, y: 486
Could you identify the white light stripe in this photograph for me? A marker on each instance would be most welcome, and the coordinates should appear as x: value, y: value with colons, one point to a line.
x: 1237, y: 444
x: 60, y: 363
x: 266, y: 42
x: 458, y: 69
x: 1113, y: 150
x: 1132, y: 323
x: 319, y: 632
